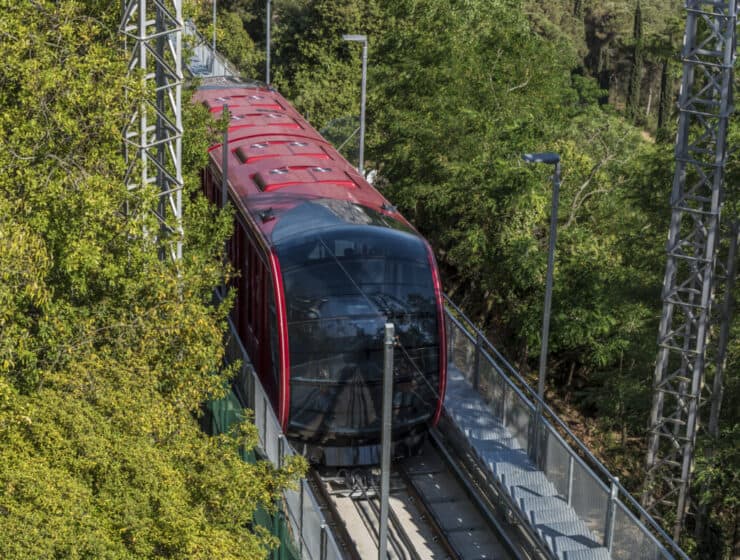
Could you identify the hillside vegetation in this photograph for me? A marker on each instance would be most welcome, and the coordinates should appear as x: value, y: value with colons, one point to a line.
x: 106, y: 353
x: 457, y: 91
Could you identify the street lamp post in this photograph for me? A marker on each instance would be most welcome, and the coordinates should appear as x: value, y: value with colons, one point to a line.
x: 385, y: 452
x: 549, y: 158
x: 361, y: 39
x: 213, y: 42
x: 268, y: 24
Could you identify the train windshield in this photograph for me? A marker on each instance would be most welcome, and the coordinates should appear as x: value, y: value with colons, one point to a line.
x: 342, y: 284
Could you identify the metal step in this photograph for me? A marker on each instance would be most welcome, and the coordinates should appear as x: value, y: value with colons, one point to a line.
x: 520, y: 492
x: 495, y: 458
x: 557, y: 515
x: 472, y: 417
x: 560, y: 545
x: 600, y: 553
x: 576, y: 529
x: 535, y: 481
x: 472, y: 404
x: 536, y: 503
x: 502, y: 444
x: 488, y: 433
x: 500, y: 461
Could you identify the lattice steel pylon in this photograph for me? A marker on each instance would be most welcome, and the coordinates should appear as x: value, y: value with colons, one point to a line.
x: 153, y: 134
x: 705, y: 104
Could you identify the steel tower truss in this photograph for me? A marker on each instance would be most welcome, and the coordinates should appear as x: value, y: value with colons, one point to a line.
x: 705, y: 104
x: 153, y: 134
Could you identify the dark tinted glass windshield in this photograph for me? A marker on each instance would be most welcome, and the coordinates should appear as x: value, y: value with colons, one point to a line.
x: 342, y: 285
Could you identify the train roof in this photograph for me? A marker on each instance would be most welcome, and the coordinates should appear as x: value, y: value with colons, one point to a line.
x: 277, y: 162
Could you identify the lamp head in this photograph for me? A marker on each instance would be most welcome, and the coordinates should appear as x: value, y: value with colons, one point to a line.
x: 544, y: 157
x: 358, y: 38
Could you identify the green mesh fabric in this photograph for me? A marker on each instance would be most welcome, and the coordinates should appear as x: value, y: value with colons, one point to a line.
x: 220, y: 416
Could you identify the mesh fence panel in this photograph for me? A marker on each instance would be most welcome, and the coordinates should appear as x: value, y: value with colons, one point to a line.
x: 260, y: 402
x: 518, y: 418
x: 631, y: 540
x: 293, y: 507
x: 491, y: 385
x: 461, y: 351
x: 332, y: 548
x: 556, y: 461
x: 272, y: 435
x: 242, y: 381
x: 450, y: 330
x: 590, y: 499
x: 311, y: 530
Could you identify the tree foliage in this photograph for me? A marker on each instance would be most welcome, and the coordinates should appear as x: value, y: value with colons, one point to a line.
x: 106, y: 353
x: 315, y: 67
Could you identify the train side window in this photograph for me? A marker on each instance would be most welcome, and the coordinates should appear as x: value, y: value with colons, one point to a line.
x: 240, y: 281
x: 250, y: 281
x: 258, y: 272
x: 272, y: 341
x: 262, y: 302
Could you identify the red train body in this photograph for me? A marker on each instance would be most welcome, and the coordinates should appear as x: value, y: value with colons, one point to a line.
x: 323, y: 262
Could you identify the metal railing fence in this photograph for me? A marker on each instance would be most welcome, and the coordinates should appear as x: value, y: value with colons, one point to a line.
x: 214, y: 64
x: 307, y: 524
x: 598, y: 498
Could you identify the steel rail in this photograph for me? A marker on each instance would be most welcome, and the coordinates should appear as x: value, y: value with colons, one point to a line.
x: 400, y: 533
x: 373, y: 529
x: 336, y: 522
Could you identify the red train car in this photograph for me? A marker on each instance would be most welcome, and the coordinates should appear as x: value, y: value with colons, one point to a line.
x: 323, y: 262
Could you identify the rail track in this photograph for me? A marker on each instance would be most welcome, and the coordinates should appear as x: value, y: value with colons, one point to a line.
x: 434, y: 512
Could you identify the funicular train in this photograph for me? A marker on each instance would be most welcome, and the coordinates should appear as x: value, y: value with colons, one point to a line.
x: 323, y: 261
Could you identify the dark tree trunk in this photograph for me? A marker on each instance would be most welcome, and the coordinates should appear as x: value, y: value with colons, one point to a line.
x: 633, y: 92
x: 664, y: 102
x: 604, y: 75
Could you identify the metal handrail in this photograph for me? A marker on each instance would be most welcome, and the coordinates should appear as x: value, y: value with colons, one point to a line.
x: 479, y: 337
x: 325, y: 542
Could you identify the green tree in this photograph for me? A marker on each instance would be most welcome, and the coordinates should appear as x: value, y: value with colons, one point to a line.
x: 106, y: 353
x: 664, y: 99
x: 635, y: 79
x: 314, y: 67
x: 451, y: 117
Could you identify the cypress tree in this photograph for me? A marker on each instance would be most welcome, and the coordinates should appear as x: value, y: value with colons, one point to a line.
x: 665, y: 97
x: 633, y: 92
